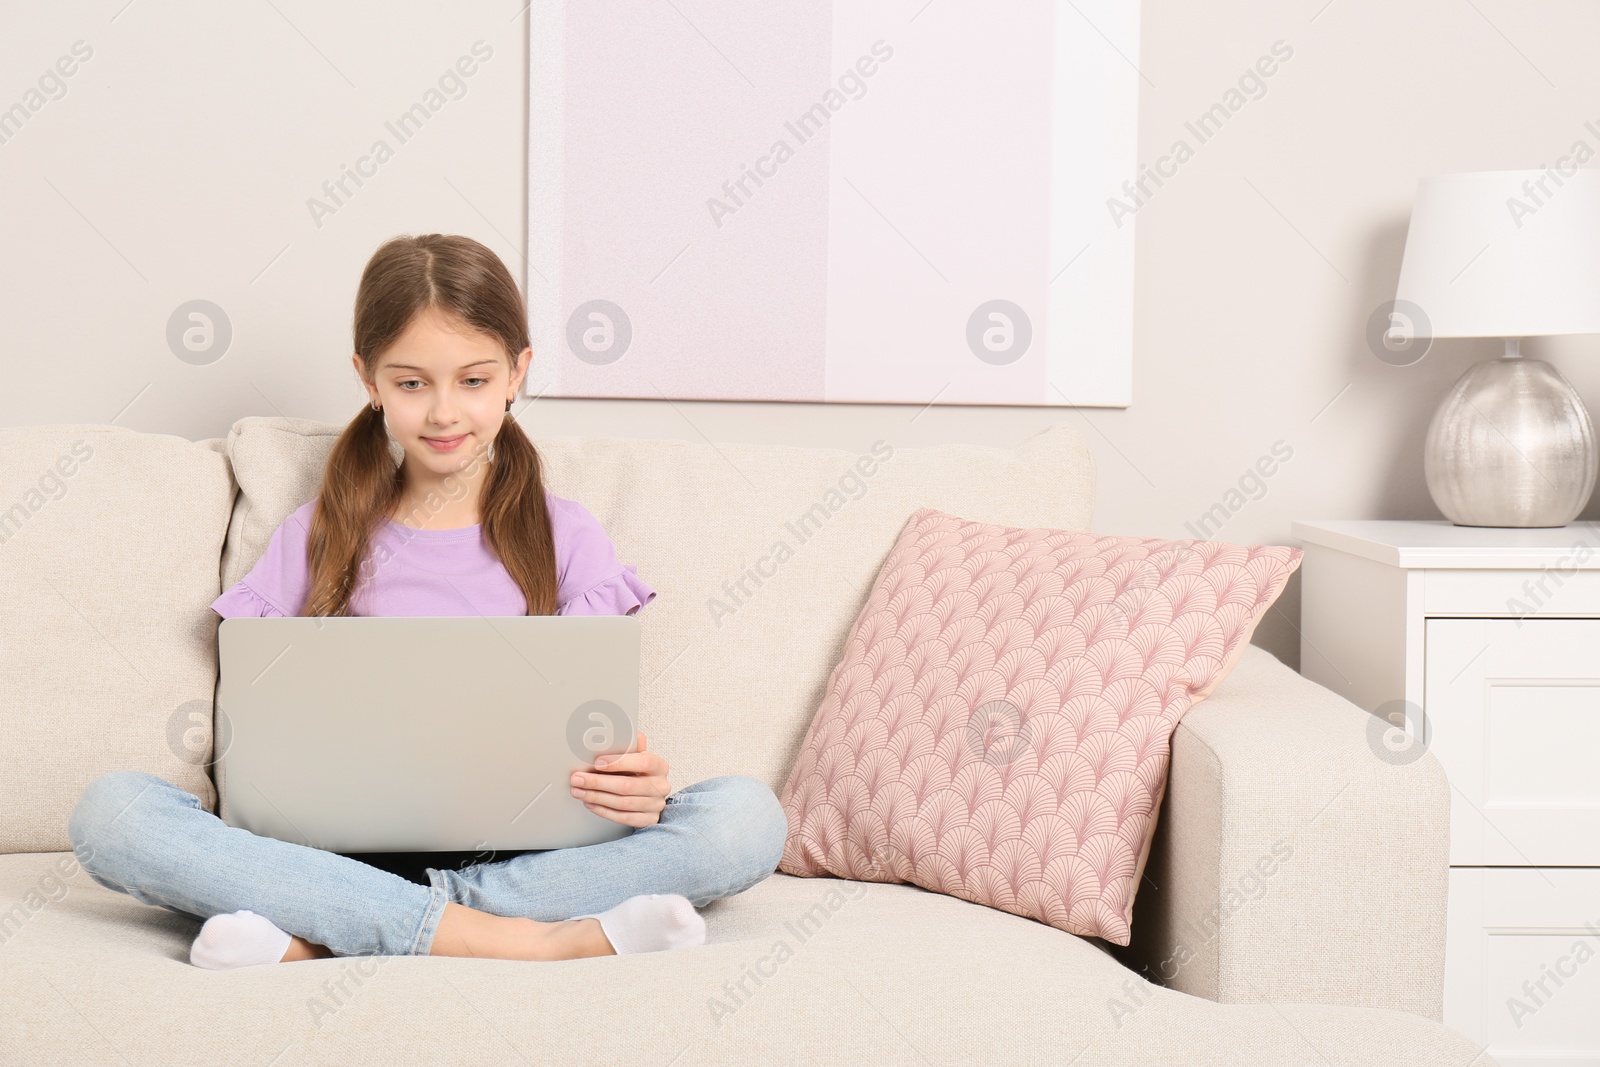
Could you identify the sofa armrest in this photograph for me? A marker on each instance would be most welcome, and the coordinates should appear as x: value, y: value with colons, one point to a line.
x: 1296, y: 857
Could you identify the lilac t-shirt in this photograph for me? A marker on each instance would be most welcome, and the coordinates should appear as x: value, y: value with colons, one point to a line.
x: 443, y: 572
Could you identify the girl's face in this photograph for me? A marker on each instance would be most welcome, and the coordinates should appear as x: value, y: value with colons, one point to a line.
x: 444, y: 388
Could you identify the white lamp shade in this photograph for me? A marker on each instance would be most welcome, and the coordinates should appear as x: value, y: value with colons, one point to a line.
x: 1492, y: 254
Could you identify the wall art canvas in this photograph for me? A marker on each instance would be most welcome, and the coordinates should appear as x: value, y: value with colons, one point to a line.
x: 866, y: 202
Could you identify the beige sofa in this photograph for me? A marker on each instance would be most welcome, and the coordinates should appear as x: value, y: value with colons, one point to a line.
x: 113, y: 543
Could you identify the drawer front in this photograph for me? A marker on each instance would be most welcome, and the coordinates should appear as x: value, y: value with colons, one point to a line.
x: 1553, y: 590
x: 1522, y: 963
x: 1513, y: 707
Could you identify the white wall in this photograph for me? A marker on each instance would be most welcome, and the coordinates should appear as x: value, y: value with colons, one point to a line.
x: 179, y: 160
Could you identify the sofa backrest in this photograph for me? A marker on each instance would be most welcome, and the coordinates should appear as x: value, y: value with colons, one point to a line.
x: 762, y: 556
x: 109, y: 544
x: 111, y: 541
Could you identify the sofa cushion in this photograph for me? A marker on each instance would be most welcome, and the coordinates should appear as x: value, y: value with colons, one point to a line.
x: 794, y: 970
x: 761, y: 556
x: 1000, y: 725
x: 109, y: 542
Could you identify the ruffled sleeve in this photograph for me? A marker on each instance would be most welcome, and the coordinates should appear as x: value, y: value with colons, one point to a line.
x: 621, y: 594
x: 243, y: 602
x: 276, y: 586
x: 591, y: 579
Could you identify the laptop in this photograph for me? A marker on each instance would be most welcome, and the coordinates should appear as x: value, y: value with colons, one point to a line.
x: 421, y: 734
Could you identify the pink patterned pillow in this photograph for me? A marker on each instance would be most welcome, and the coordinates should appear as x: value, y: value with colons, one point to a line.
x: 999, y: 727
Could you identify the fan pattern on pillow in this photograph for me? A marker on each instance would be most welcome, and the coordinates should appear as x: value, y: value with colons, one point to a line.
x: 999, y: 726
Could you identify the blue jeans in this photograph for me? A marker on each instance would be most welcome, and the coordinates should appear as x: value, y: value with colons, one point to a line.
x: 139, y: 834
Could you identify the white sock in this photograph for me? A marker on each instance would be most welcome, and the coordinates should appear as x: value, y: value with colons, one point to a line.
x: 651, y: 923
x: 242, y: 939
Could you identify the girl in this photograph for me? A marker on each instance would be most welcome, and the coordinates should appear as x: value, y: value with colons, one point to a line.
x: 462, y: 525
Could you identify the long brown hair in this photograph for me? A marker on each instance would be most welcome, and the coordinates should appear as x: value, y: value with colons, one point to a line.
x: 362, y: 484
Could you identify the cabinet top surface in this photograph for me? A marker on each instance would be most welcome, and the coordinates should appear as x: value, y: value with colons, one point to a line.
x: 1441, y: 543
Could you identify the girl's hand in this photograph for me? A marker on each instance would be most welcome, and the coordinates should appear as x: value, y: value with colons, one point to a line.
x: 630, y: 788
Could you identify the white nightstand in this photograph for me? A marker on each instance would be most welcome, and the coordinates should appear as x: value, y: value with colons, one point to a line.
x: 1486, y: 644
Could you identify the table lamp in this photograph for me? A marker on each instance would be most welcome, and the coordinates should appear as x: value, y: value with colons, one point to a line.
x: 1509, y: 254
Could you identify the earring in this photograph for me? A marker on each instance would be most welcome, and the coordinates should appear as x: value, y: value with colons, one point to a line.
x: 375, y: 406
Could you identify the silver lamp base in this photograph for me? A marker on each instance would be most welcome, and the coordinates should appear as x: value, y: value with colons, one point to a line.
x: 1511, y: 445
